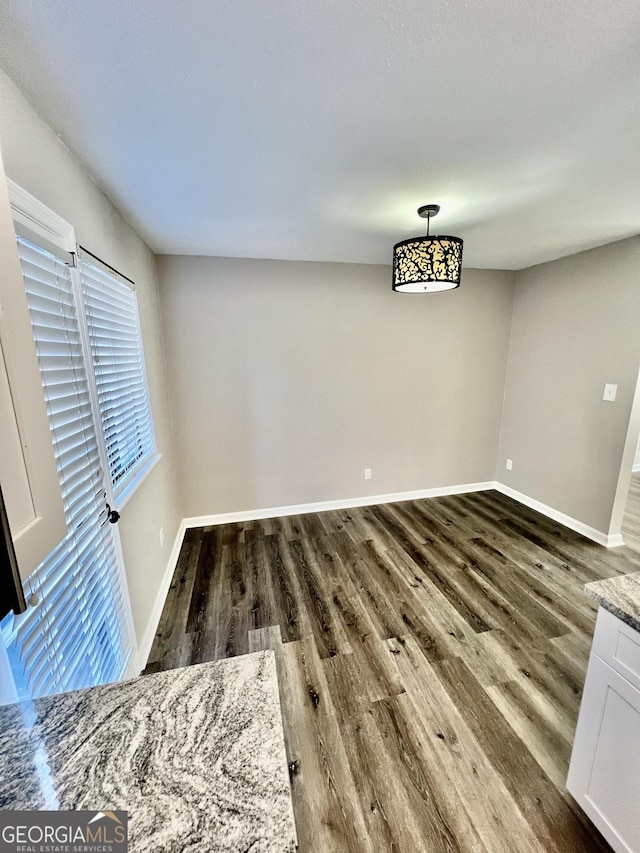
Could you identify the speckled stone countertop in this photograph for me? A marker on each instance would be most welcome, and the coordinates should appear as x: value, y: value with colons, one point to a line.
x: 195, y: 756
x: 621, y: 596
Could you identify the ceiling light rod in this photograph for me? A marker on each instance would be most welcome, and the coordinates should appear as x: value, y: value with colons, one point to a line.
x: 427, y: 264
x: 427, y: 211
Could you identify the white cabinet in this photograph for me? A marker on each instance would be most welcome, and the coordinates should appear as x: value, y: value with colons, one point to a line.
x: 604, y: 773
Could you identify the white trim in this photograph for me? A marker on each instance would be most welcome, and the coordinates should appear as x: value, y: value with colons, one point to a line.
x: 609, y: 541
x: 348, y: 503
x: 133, y: 670
x: 629, y: 454
x: 323, y: 506
x: 35, y: 215
x: 144, y: 649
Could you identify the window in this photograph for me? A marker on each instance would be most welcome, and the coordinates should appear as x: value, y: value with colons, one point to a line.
x: 117, y: 359
x: 78, y: 632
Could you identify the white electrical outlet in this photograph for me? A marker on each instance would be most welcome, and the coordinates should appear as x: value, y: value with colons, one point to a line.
x: 610, y: 393
x: 367, y: 473
x: 509, y: 464
x: 162, y: 537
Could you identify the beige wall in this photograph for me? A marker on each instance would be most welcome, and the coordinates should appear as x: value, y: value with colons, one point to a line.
x: 287, y: 379
x: 36, y: 159
x: 576, y: 326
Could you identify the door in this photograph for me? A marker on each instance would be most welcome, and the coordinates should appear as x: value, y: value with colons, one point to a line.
x: 77, y: 631
x: 28, y: 475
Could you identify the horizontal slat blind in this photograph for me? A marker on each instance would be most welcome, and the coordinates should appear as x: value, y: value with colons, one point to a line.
x: 76, y: 635
x: 118, y: 364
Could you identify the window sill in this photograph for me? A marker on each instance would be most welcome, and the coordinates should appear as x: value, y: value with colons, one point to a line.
x: 140, y: 474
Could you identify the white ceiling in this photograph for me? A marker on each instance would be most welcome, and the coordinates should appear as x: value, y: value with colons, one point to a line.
x: 313, y: 129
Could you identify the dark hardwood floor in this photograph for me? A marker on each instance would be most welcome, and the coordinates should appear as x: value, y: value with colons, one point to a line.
x: 431, y: 656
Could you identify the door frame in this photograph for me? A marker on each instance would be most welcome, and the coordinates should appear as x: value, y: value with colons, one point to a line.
x: 51, y: 228
x: 626, y: 467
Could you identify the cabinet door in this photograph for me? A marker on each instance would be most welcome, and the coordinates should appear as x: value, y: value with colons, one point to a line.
x: 618, y: 644
x: 604, y: 774
x: 28, y: 472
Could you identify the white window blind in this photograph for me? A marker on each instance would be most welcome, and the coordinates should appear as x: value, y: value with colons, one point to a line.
x: 77, y: 634
x: 113, y: 324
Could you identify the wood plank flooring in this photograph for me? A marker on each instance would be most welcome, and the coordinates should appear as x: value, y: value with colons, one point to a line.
x: 431, y: 656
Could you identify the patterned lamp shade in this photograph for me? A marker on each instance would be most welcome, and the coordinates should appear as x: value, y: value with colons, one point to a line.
x: 427, y: 264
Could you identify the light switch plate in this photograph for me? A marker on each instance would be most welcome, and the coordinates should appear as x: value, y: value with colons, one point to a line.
x: 610, y: 393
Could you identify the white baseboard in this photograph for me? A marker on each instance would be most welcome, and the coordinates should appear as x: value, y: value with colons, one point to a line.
x: 349, y: 503
x: 144, y: 648
x: 323, y: 506
x: 608, y: 540
x: 273, y: 512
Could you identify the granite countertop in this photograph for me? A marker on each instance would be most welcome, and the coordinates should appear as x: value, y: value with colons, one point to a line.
x: 195, y: 756
x: 621, y: 596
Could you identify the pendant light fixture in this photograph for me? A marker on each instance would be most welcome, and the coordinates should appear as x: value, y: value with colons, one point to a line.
x: 427, y: 264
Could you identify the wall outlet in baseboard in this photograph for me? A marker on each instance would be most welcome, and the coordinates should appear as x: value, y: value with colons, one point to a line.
x: 367, y: 473
x: 509, y: 465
